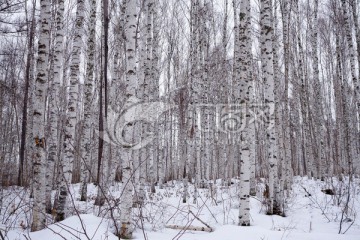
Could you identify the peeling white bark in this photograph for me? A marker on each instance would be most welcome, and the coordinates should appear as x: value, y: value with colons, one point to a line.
x: 131, y: 90
x: 88, y: 101
x: 39, y: 140
x: 246, y: 98
x: 71, y: 119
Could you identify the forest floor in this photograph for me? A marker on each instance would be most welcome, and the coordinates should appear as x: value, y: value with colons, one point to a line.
x: 310, y: 214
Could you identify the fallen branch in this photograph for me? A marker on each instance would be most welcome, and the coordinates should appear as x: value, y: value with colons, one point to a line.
x: 201, y: 221
x: 191, y: 228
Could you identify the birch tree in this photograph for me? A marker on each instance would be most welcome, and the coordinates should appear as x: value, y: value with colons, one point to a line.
x: 69, y: 138
x: 88, y: 101
x: 28, y: 77
x: 318, y: 113
x: 131, y: 92
x: 246, y: 95
x: 267, y: 33
x: 153, y: 75
x: 286, y: 16
x: 351, y: 49
x: 39, y: 141
x: 354, y: 4
x: 54, y: 102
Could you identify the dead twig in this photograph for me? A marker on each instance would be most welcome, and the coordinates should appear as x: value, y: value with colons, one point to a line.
x: 210, y: 228
x: 1, y: 235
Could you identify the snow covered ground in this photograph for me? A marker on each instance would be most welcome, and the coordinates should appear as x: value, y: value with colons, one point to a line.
x: 311, y: 214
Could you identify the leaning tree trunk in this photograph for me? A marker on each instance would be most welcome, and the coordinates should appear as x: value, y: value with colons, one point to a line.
x: 39, y: 218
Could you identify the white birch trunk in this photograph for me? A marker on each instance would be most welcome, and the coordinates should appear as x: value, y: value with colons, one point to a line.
x: 318, y: 113
x: 355, y: 105
x: 131, y: 89
x: 55, y: 103
x: 117, y: 84
x: 38, y: 216
x: 286, y: 13
x: 246, y: 95
x: 355, y: 4
x: 352, y: 54
x: 69, y: 141
x: 268, y: 80
x: 154, y: 79
x: 88, y: 101
x: 278, y: 108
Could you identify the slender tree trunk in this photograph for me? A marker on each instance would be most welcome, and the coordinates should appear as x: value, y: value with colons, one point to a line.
x: 24, y: 124
x: 354, y: 5
x: 131, y: 90
x: 248, y: 135
x: 55, y: 103
x: 39, y: 218
x: 267, y: 33
x: 104, y: 148
x: 88, y: 103
x: 69, y: 139
x: 352, y: 54
x: 286, y: 13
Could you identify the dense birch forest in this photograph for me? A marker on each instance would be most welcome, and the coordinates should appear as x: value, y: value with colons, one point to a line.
x: 136, y: 96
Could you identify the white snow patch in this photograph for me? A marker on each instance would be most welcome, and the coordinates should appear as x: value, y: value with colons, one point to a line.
x: 314, y: 217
